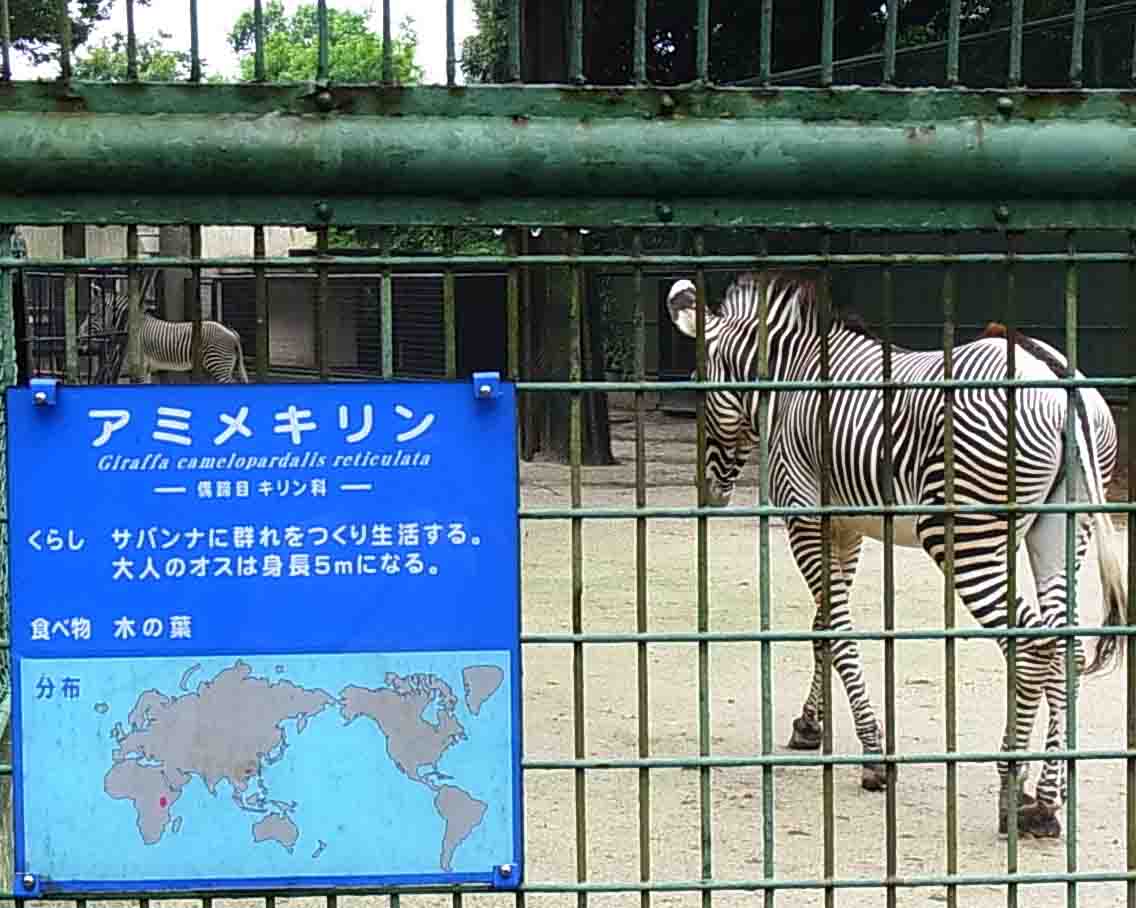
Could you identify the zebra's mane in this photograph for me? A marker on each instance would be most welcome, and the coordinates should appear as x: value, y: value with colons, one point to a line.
x: 741, y: 299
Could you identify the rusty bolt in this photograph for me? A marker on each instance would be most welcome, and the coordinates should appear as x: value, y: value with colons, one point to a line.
x: 664, y: 212
x: 325, y: 101
x: 323, y: 211
x: 1002, y: 213
x: 1005, y: 105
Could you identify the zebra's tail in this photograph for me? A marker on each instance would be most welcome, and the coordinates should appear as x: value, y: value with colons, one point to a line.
x: 1108, y: 650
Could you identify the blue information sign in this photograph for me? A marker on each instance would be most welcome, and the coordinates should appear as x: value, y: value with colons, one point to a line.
x: 265, y: 636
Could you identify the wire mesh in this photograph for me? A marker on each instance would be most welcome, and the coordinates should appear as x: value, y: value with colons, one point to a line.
x: 435, y: 303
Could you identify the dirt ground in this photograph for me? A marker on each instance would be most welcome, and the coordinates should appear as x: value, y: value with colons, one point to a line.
x: 736, y: 801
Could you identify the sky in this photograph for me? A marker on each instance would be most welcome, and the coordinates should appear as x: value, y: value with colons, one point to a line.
x: 216, y: 17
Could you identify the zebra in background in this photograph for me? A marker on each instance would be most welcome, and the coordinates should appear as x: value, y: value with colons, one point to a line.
x: 167, y: 345
x: 857, y: 479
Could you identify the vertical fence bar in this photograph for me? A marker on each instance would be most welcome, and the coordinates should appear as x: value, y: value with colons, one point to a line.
x: 824, y: 299
x: 134, y: 311
x: 950, y: 662
x: 1132, y: 72
x: 703, y: 578
x: 196, y: 343
x: 71, y: 319
x: 5, y: 42
x: 528, y: 344
x: 261, y: 287
x: 451, y: 53
x: 321, y: 317
x: 8, y: 376
x: 388, y: 49
x: 891, y: 31
x: 1011, y: 570
x: 194, y: 44
x: 765, y: 61
x: 324, y: 42
x: 575, y: 442
x: 639, y: 46
x: 890, y: 823
x: 513, y: 305
x: 258, y: 43
x: 642, y: 673
x: 954, y: 29
x: 386, y: 309
x: 702, y: 51
x: 449, y: 314
x: 576, y: 41
x: 1077, y: 53
x: 828, y: 27
x: 768, y: 827
x: 514, y: 31
x: 1017, y: 22
x: 64, y: 42
x: 1071, y: 312
x: 1130, y: 617
x: 131, y: 44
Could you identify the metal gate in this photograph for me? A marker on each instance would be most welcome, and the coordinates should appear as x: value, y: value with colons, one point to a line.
x: 663, y: 662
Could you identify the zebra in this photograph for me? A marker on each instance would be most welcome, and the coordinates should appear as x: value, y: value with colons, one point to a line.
x: 168, y: 345
x: 856, y: 478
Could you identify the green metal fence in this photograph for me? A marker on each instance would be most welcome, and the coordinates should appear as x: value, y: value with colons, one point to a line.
x: 529, y: 164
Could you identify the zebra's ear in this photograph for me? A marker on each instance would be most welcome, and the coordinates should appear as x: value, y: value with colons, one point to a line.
x: 681, y: 304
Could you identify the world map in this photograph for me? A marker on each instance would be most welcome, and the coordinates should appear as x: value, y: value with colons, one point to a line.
x: 233, y: 726
x: 243, y: 769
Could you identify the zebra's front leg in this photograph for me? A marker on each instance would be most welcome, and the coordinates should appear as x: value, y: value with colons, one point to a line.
x: 844, y: 553
x: 808, y: 727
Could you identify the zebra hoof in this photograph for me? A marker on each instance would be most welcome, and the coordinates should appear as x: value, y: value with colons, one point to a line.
x: 806, y: 734
x: 1039, y: 822
x: 1025, y: 802
x: 873, y: 777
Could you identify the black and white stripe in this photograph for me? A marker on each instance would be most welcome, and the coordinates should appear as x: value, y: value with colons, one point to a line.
x: 857, y: 478
x: 167, y: 345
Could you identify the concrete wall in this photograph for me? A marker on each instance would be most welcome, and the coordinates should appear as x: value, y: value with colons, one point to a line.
x: 47, y: 242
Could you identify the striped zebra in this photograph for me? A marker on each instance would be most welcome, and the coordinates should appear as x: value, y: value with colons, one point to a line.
x: 167, y: 345
x: 857, y: 479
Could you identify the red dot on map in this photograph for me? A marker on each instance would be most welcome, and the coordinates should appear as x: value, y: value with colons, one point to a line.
x: 162, y: 802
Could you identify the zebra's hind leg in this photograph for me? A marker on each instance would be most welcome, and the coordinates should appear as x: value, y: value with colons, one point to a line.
x: 1045, y: 544
x: 981, y: 582
x: 844, y: 554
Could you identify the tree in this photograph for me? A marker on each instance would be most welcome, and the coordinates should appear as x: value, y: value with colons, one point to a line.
x: 107, y: 61
x: 35, y: 25
x: 355, y: 54
x: 291, y: 46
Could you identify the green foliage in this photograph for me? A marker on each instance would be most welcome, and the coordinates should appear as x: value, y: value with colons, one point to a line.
x: 417, y: 240
x: 35, y: 24
x: 485, y: 52
x: 291, y: 46
x: 106, y: 61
